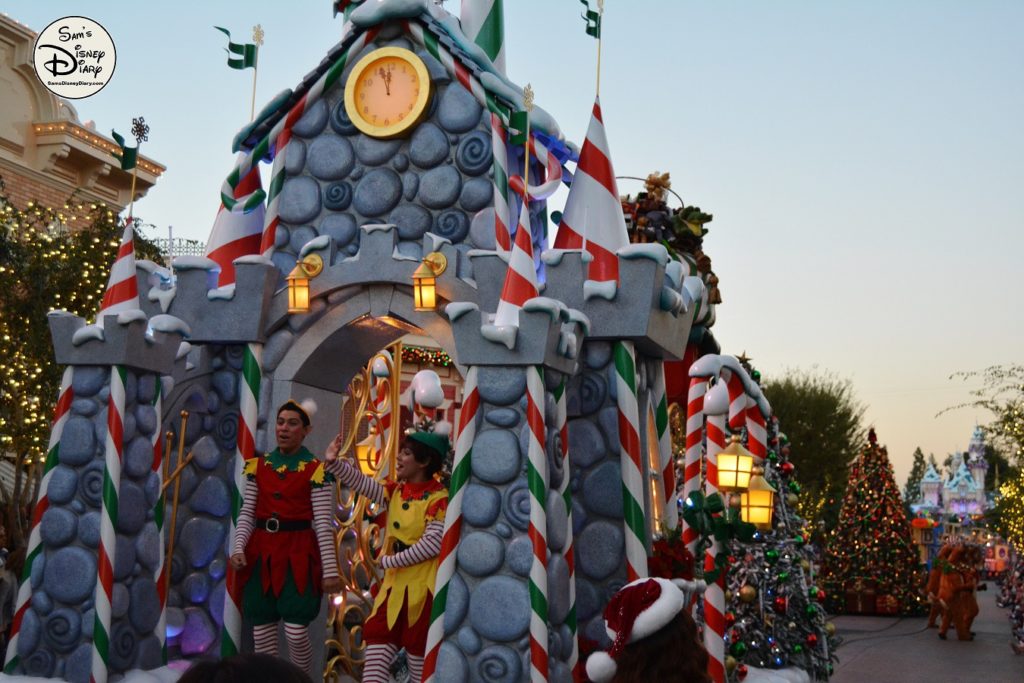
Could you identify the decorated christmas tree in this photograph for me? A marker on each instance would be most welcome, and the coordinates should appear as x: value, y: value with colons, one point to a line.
x: 775, y: 618
x: 870, y: 563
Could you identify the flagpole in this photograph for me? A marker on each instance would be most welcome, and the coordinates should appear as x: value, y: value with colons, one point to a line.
x: 528, y: 106
x: 257, y: 39
x: 140, y: 130
x: 600, y: 13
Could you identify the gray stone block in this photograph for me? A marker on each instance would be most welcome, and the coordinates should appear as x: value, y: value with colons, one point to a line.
x: 147, y: 546
x: 331, y: 158
x: 428, y: 146
x: 41, y: 603
x: 30, y: 633
x: 481, y: 505
x: 196, y: 588
x: 295, y: 157
x: 78, y: 667
x: 340, y: 121
x: 517, y: 505
x: 152, y: 488
x: 215, y: 603
x: 410, y: 250
x: 377, y: 193
x: 313, y: 121
x: 452, y: 224
x: 225, y: 383
x: 124, y: 558
x: 586, y: 444
x: 144, y: 610
x: 536, y: 343
x: 477, y: 193
x: 373, y: 152
x: 83, y: 406
x: 341, y: 227
x: 496, y: 456
x: 147, y: 388
x: 89, y: 379
x: 557, y: 522
x: 451, y: 664
x: 37, y: 575
x: 276, y: 347
x: 77, y: 442
x: 145, y: 419
x: 599, y: 549
x: 412, y: 221
x: 131, y: 385
x: 469, y: 641
x: 498, y: 664
x: 602, y: 490
x: 337, y: 197
x: 458, y: 111
x: 608, y: 420
x: 132, y: 508
x: 150, y: 654
x: 90, y: 484
x: 410, y: 186
x: 588, y: 599
x: 212, y: 497
x: 299, y: 200
x: 520, y: 555
x: 473, y: 156
x: 503, y: 417
x: 400, y: 163
x: 282, y: 236
x: 481, y: 231
x: 499, y: 608
x: 40, y: 663
x: 201, y: 540
x: 128, y: 425
x: 501, y: 385
x: 70, y: 575
x: 119, y: 599
x: 299, y: 236
x: 199, y: 633
x: 558, y: 589
x: 138, y: 458
x: 480, y: 553
x: 217, y: 569
x: 457, y: 605
x: 89, y: 529
x: 440, y: 187
x: 58, y: 527
x: 124, y: 643
x: 63, y: 484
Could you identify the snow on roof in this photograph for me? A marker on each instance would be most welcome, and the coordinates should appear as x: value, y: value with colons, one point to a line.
x: 931, y: 475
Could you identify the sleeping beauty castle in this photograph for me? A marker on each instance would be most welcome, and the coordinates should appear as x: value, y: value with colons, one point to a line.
x: 962, y: 492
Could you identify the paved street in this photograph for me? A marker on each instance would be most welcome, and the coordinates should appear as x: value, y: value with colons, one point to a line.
x: 887, y: 650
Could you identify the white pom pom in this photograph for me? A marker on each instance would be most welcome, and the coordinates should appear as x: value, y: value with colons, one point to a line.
x: 443, y: 428
x: 309, y: 405
x: 600, y: 667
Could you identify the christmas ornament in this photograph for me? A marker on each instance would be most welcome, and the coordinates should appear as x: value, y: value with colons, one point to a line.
x: 798, y: 648
x: 739, y: 649
x: 821, y: 596
x: 799, y: 540
x: 780, y: 604
x: 794, y: 487
x: 830, y: 628
x: 730, y: 619
x: 771, y: 555
x: 787, y: 468
x: 812, y: 640
x: 783, y: 576
x: 741, y: 671
x: 748, y: 593
x: 730, y: 663
x: 792, y: 499
x: 805, y: 565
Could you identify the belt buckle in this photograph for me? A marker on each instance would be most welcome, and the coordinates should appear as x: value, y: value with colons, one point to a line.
x: 273, y: 525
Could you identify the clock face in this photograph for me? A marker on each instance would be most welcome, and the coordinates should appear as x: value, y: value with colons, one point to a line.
x: 387, y: 92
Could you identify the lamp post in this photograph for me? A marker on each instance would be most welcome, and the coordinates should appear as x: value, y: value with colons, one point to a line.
x: 735, y: 463
x: 757, y: 503
x: 424, y: 287
x: 298, y: 282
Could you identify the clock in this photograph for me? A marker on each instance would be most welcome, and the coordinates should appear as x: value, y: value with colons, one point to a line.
x: 387, y: 92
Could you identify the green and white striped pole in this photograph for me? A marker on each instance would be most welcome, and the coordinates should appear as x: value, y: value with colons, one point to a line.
x: 483, y: 22
x: 629, y: 458
x: 537, y: 482
x: 565, y: 493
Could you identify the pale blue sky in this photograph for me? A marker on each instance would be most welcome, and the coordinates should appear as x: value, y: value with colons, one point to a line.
x: 864, y: 160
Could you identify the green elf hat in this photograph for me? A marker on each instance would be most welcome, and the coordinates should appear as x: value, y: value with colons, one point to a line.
x: 434, y: 442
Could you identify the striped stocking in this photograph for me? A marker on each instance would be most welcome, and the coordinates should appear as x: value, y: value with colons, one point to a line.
x: 377, y: 667
x: 415, y: 667
x: 265, y: 637
x: 299, y: 649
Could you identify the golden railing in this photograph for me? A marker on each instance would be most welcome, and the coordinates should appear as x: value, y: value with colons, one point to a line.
x: 358, y: 539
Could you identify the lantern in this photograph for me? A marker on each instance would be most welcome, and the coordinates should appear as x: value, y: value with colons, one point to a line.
x: 424, y: 281
x: 365, y: 458
x: 757, y: 502
x: 734, y: 465
x: 298, y: 282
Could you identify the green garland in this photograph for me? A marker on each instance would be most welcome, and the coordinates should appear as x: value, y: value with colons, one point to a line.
x: 426, y: 356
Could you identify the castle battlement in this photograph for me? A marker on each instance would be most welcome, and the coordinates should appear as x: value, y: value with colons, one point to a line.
x: 127, y: 339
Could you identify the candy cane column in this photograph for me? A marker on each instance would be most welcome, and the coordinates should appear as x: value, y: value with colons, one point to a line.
x: 629, y: 456
x: 114, y: 452
x: 35, y: 540
x: 452, y: 520
x: 716, y: 406
x: 561, y: 414
x: 665, y: 460
x: 694, y: 446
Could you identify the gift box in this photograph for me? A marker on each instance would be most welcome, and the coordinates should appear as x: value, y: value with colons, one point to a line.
x: 861, y: 597
x: 887, y: 604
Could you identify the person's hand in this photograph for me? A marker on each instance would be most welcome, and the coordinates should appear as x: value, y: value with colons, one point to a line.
x: 332, y: 584
x: 238, y: 561
x: 334, y: 448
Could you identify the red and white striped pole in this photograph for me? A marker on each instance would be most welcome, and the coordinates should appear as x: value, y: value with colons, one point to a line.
x: 716, y: 408
x: 757, y: 432
x: 35, y: 540
x: 565, y: 493
x: 694, y: 446
x: 158, y: 516
x: 670, y: 513
x: 537, y: 483
x: 629, y: 458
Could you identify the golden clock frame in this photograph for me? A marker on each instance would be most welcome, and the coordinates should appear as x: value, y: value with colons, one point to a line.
x: 419, y: 107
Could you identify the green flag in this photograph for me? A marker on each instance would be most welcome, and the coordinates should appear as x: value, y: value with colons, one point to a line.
x: 517, y: 125
x: 593, y: 21
x: 240, y: 55
x: 128, y: 155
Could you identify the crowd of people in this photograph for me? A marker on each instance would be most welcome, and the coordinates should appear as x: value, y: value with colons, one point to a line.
x: 1011, y: 597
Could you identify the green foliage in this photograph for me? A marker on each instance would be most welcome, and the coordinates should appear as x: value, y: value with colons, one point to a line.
x: 1007, y: 516
x: 998, y: 466
x: 822, y: 419
x: 1002, y: 394
x: 912, y: 489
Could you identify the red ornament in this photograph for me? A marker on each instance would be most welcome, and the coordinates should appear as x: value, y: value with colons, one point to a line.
x: 730, y: 619
x: 821, y: 596
x: 741, y: 671
x: 780, y: 604
x: 787, y: 467
x: 812, y: 640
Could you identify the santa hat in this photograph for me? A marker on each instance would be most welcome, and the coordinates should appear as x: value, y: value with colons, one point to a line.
x: 640, y: 609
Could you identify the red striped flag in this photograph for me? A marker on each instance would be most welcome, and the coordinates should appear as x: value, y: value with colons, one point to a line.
x: 236, y: 232
x: 593, y: 219
x: 122, y: 288
x: 521, y: 276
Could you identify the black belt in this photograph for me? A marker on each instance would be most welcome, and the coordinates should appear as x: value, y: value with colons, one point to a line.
x: 273, y: 525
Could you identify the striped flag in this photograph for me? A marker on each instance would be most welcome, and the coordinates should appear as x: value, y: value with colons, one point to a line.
x: 593, y: 214
x: 122, y: 288
x: 483, y: 22
x: 521, y: 276
x: 236, y: 232
x: 240, y: 55
x: 128, y: 156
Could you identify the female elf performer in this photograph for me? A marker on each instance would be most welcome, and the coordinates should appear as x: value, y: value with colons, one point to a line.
x: 416, y: 505
x: 284, y: 545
